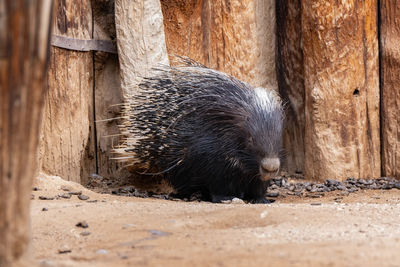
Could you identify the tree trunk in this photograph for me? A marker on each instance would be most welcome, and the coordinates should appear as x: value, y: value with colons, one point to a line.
x: 291, y: 81
x: 24, y: 32
x: 341, y: 89
x: 68, y: 135
x: 390, y: 91
x: 237, y: 37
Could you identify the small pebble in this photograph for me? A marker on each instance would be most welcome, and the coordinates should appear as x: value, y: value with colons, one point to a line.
x: 35, y: 188
x: 316, y: 204
x: 64, y: 249
x: 236, y: 200
x: 86, y: 233
x: 272, y: 194
x: 75, y: 192
x: 82, y: 224
x: 263, y: 214
x: 66, y: 188
x: 45, y: 198
x: 65, y: 195
x: 45, y: 209
x: 96, y: 176
x: 83, y: 197
x: 101, y: 251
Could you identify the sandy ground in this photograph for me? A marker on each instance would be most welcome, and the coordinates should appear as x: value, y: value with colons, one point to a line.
x: 362, y: 230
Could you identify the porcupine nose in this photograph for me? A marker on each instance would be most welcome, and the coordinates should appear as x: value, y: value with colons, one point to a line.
x: 269, y: 166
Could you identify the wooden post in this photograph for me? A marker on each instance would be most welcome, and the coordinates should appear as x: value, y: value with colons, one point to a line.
x: 67, y: 135
x: 24, y: 32
x: 390, y: 90
x: 291, y: 81
x: 237, y: 37
x: 340, y: 48
x: 140, y: 39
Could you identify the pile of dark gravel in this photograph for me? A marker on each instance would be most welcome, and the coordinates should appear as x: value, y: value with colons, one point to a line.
x: 282, y: 187
x: 278, y: 187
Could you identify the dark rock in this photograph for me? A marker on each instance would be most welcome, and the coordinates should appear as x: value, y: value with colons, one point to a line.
x: 45, y: 198
x: 45, y: 209
x: 65, y: 195
x: 83, y: 197
x: 64, y: 250
x: 272, y: 194
x: 397, y: 185
x: 75, y: 193
x: 82, y: 224
x: 341, y: 187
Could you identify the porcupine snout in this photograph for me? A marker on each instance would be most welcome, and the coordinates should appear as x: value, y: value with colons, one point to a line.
x: 269, y: 167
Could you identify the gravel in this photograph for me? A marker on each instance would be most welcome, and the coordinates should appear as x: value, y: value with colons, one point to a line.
x: 278, y: 187
x: 316, y: 190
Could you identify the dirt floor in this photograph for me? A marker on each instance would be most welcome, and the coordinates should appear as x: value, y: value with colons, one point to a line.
x: 362, y: 230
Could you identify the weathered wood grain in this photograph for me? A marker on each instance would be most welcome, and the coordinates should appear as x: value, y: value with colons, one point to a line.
x: 237, y: 37
x: 340, y: 49
x: 140, y: 39
x: 24, y: 31
x: 390, y: 90
x: 67, y: 134
x: 291, y: 81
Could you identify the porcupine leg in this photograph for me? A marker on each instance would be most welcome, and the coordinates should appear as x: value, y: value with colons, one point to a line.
x: 256, y: 192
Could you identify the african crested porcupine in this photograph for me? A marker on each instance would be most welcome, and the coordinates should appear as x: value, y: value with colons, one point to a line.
x: 204, y: 132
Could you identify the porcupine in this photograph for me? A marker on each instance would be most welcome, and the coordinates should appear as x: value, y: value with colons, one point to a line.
x: 204, y: 132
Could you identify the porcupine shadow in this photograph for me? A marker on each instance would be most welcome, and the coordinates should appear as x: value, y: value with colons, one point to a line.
x: 203, y: 131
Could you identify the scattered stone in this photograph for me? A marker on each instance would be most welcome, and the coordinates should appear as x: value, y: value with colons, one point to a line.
x: 82, y: 224
x: 32, y: 196
x: 159, y: 233
x: 65, y: 195
x: 338, y: 199
x: 316, y: 204
x: 92, y: 201
x: 83, y: 197
x: 102, y: 252
x: 46, y: 198
x: 263, y: 214
x: 66, y: 188
x: 96, y: 176
x: 341, y: 187
x: 315, y: 195
x: 47, y: 263
x: 35, y: 188
x: 45, y: 209
x: 236, y: 200
x: 272, y: 194
x: 64, y: 249
x: 128, y: 225
x: 85, y: 233
x: 75, y: 193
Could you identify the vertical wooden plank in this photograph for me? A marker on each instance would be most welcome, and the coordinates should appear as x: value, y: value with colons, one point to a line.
x: 24, y: 31
x: 390, y: 90
x: 67, y: 139
x: 237, y: 37
x: 291, y: 81
x: 140, y: 39
x: 341, y: 89
x: 108, y: 93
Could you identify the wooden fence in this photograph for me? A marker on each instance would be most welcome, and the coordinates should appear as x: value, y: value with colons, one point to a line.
x: 337, y: 66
